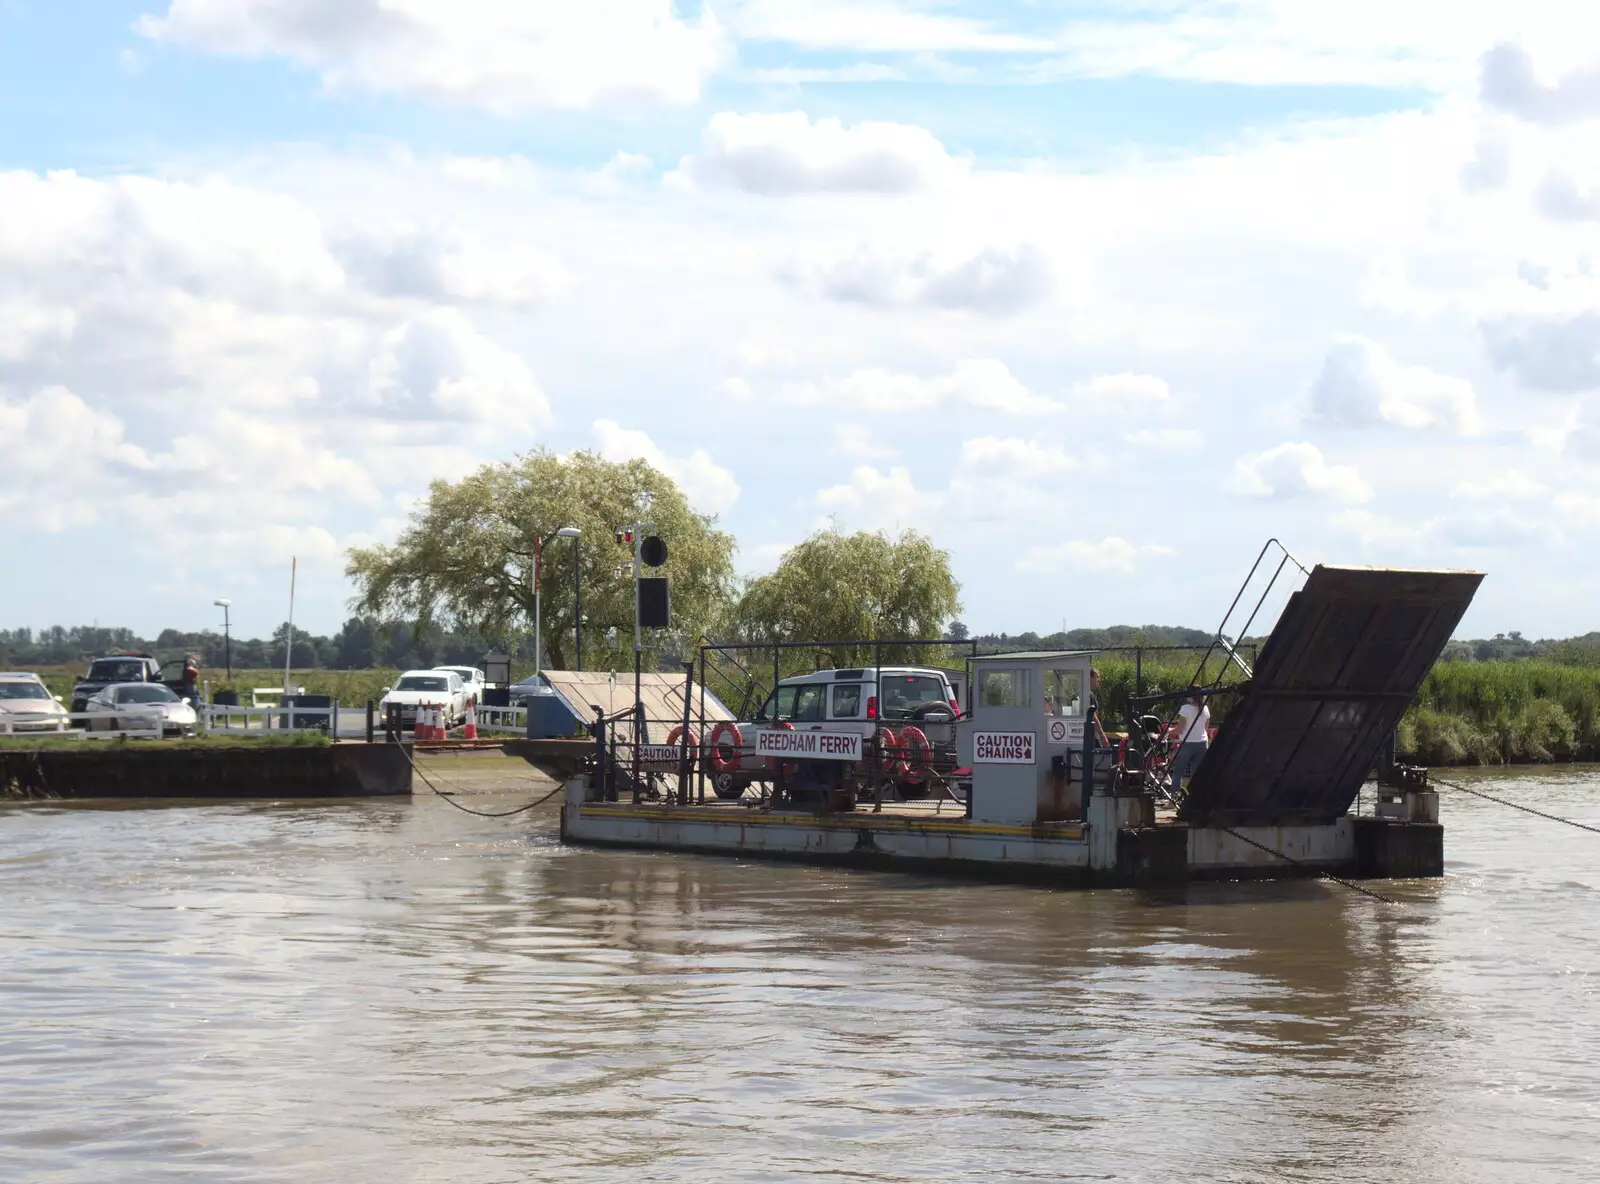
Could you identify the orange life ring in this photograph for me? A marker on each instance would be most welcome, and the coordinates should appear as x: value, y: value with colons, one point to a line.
x: 918, y: 753
x: 677, y: 734
x: 726, y: 736
x: 890, y: 757
x: 787, y: 768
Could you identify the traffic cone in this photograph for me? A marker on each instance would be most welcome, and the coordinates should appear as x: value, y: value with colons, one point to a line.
x: 470, y: 731
x: 425, y: 722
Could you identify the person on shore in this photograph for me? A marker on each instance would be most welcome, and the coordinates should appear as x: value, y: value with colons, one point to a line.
x: 1193, y: 727
x: 191, y: 679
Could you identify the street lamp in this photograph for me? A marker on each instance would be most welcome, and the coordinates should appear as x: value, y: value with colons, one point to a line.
x: 573, y: 533
x: 227, y: 636
x: 566, y: 532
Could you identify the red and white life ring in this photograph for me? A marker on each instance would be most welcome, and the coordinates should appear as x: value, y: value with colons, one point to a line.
x: 677, y: 734
x: 917, y: 751
x: 787, y: 768
x: 725, y: 745
x: 891, y: 758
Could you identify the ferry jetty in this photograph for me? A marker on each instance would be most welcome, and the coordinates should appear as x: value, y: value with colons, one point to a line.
x: 999, y: 770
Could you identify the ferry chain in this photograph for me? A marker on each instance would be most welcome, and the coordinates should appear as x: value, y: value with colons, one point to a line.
x: 1478, y: 793
x: 1324, y: 874
x: 467, y: 809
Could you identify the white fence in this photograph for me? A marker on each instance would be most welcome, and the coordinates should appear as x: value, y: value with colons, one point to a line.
x: 221, y: 717
x: 82, y: 725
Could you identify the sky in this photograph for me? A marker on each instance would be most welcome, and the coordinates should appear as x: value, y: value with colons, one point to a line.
x: 1100, y: 296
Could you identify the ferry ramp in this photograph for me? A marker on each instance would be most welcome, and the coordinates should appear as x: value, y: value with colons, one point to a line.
x: 1341, y: 666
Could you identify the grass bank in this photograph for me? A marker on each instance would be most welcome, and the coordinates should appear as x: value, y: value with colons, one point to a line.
x: 262, y: 739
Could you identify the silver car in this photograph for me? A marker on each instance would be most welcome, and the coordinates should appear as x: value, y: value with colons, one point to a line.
x: 139, y: 706
x: 26, y: 705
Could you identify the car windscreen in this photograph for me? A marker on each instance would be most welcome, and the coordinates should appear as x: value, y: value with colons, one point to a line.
x: 904, y: 694
x: 22, y: 690
x: 116, y: 671
x: 418, y: 683
x: 151, y: 693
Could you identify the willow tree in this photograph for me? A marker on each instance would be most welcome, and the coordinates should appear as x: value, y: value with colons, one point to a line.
x: 838, y: 587
x: 466, y: 559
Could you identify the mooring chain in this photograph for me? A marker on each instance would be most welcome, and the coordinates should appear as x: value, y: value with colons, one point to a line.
x: 415, y: 768
x: 1297, y: 863
x: 1478, y: 793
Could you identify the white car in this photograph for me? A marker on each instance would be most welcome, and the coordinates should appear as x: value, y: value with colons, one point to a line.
x: 26, y: 705
x: 139, y: 706
x: 472, y: 681
x: 426, y: 688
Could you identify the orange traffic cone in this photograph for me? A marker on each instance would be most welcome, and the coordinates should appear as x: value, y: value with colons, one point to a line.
x: 424, y: 722
x: 470, y: 731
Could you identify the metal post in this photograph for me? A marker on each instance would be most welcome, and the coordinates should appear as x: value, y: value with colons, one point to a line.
x: 369, y: 721
x: 577, y: 606
x: 877, y: 727
x: 683, y: 740
x: 1138, y: 670
x: 700, y: 763
x: 1088, y: 763
x: 538, y: 614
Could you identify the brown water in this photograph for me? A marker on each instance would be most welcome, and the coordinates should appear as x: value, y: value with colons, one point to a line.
x: 396, y: 992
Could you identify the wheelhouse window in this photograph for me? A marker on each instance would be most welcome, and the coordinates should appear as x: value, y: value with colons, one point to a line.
x: 1063, y: 692
x: 1005, y: 688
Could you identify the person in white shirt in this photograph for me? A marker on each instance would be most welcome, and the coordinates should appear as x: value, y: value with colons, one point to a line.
x: 1193, y: 727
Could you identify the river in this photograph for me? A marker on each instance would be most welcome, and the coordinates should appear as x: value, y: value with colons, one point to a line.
x: 392, y: 992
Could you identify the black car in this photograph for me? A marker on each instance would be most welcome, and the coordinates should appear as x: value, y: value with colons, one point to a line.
x: 103, y: 672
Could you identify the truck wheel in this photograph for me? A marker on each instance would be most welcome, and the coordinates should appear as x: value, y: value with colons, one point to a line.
x: 727, y: 787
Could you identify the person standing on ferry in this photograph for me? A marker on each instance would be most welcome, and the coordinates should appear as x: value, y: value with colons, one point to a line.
x: 1193, y: 726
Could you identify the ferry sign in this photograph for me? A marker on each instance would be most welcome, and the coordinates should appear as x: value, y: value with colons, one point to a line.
x: 1002, y: 748
x: 809, y: 746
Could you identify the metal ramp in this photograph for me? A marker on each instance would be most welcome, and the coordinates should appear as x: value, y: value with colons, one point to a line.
x: 1339, y: 670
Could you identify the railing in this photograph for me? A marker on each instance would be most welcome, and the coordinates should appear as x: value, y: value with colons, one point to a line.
x: 64, y: 727
x: 502, y: 719
x: 223, y: 717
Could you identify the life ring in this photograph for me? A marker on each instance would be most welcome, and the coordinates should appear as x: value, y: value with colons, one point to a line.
x: 787, y: 768
x: 891, y: 758
x: 918, y: 753
x: 677, y: 734
x: 726, y: 741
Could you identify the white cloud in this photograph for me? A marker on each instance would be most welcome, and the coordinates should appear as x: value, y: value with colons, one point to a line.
x: 986, y: 457
x: 787, y: 153
x: 1296, y: 470
x: 858, y: 441
x: 439, y: 367
x: 1511, y: 83
x: 1564, y: 198
x: 877, y: 499
x: 59, y: 459
x: 979, y: 384
x: 995, y: 280
x: 446, y: 265
x: 1362, y: 386
x: 1112, y: 555
x: 868, y: 25
x: 503, y: 57
x: 1113, y: 391
x: 1175, y: 440
x: 710, y: 488
x: 1554, y: 353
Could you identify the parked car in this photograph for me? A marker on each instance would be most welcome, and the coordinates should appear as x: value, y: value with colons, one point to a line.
x: 859, y: 700
x: 431, y: 688
x: 472, y: 681
x: 135, y: 706
x: 528, y: 688
x: 122, y: 668
x: 26, y: 704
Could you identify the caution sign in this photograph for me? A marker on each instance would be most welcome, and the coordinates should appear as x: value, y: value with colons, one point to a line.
x: 809, y: 746
x: 1066, y: 731
x: 1002, y: 748
x: 661, y: 754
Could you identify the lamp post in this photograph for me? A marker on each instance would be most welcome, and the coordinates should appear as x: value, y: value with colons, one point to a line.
x: 573, y: 533
x: 227, y: 636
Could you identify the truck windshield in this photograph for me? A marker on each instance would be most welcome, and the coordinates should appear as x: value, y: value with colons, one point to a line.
x: 118, y: 670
